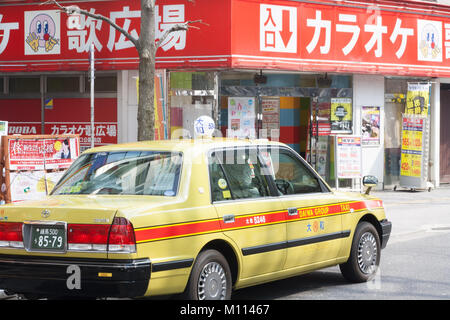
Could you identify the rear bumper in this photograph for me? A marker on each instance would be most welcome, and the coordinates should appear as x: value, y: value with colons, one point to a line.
x: 57, y: 277
x: 386, y: 227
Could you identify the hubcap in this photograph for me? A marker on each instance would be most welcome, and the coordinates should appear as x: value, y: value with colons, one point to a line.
x: 367, y: 253
x: 212, y: 283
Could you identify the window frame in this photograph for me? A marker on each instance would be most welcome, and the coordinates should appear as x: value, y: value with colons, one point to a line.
x: 324, y: 188
x: 270, y: 182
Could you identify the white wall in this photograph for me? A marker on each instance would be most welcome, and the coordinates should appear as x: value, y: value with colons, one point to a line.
x: 368, y: 90
x: 127, y: 105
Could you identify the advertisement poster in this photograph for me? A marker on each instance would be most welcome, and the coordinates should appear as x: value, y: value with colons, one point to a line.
x: 271, y: 117
x: 370, y: 123
x: 348, y: 157
x: 411, y: 152
x: 42, y: 154
x: 241, y: 117
x: 341, y: 115
x: 418, y: 99
x: 32, y: 185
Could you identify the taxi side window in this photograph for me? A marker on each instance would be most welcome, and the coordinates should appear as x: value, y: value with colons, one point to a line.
x: 290, y: 174
x: 236, y: 174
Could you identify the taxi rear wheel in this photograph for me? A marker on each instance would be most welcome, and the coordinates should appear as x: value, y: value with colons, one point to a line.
x: 364, y: 259
x: 210, y: 277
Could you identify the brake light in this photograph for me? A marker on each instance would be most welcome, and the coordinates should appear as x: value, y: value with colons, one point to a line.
x: 118, y: 237
x: 121, y: 236
x: 87, y: 237
x: 11, y: 234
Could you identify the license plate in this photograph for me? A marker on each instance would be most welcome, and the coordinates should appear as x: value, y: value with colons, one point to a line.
x: 48, y: 238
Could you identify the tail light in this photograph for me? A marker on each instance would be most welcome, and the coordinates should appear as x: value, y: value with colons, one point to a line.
x: 121, y: 236
x: 116, y: 238
x: 11, y: 235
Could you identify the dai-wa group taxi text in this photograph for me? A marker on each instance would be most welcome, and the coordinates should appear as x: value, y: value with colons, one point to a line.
x: 194, y: 217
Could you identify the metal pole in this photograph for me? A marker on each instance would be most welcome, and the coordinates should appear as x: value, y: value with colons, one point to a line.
x: 91, y: 60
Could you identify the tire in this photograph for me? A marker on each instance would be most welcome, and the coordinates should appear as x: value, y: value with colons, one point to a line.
x: 210, y: 278
x: 364, y: 259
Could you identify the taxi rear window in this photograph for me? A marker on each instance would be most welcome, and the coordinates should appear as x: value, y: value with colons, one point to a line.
x: 127, y: 173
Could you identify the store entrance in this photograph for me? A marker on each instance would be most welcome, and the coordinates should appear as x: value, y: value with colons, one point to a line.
x: 445, y: 134
x: 304, y: 111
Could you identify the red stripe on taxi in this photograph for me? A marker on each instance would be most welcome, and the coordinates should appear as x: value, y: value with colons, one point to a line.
x: 245, y: 221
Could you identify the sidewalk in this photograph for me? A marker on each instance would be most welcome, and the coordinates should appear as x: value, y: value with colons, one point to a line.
x: 415, y: 212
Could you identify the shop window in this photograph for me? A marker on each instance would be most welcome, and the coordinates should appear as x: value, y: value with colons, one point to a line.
x: 103, y: 83
x: 63, y: 84
x: 192, y: 80
x: 191, y: 96
x: 24, y: 85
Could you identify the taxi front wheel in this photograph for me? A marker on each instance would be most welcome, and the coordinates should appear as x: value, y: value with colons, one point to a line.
x: 364, y: 258
x: 210, y: 277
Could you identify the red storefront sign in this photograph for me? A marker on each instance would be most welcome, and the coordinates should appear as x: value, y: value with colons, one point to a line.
x: 385, y: 37
x: 67, y: 116
x: 342, y: 37
x: 36, y: 37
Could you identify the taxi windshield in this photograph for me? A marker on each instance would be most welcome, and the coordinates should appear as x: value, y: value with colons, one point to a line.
x: 127, y: 172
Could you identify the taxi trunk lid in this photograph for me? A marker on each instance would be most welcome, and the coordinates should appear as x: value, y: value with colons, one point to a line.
x: 76, y: 224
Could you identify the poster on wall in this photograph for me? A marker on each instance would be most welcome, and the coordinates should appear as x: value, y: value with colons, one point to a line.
x: 418, y: 99
x: 271, y: 117
x: 241, y: 117
x: 370, y: 126
x: 348, y: 157
x: 341, y: 115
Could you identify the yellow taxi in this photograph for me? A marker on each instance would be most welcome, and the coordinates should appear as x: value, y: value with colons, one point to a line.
x: 200, y: 217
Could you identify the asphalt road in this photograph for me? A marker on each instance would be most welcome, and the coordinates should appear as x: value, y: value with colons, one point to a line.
x: 414, y: 265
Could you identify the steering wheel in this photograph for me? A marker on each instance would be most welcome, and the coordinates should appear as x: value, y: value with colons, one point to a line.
x: 284, y: 186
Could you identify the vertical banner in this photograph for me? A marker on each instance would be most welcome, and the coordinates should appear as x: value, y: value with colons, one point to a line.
x: 412, y: 142
x: 348, y: 157
x: 241, y: 117
x: 370, y: 126
x: 161, y: 123
x: 341, y: 115
x: 418, y: 99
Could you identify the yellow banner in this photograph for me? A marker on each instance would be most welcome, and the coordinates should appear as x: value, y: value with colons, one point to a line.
x: 417, y: 99
x: 412, y: 140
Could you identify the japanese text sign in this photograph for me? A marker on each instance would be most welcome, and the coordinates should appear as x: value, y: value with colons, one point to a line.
x: 330, y: 35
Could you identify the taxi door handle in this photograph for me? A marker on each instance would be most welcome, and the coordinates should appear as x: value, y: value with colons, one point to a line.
x: 292, y: 211
x: 229, y: 218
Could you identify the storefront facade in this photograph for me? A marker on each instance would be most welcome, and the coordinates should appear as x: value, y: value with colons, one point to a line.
x: 302, y: 72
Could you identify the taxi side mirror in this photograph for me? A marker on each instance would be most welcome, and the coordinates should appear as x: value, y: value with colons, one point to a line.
x: 369, y: 182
